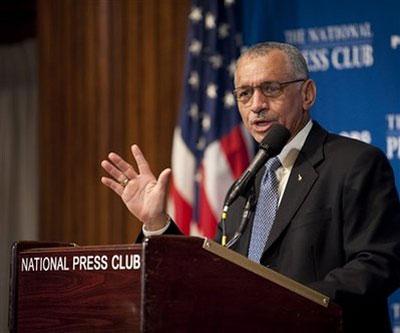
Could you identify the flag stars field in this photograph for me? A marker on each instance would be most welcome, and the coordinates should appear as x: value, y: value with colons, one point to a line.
x: 216, y: 61
x: 194, y: 80
x: 195, y: 14
x: 212, y: 90
x: 231, y: 68
x: 229, y: 100
x: 206, y: 122
x: 210, y: 21
x: 201, y: 144
x: 223, y: 30
x: 195, y: 47
x: 194, y: 111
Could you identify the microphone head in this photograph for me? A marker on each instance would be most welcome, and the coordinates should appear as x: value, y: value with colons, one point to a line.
x: 276, y: 138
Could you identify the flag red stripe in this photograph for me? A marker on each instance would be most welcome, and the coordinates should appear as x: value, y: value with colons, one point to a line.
x: 207, y: 219
x: 183, y: 210
x: 235, y: 150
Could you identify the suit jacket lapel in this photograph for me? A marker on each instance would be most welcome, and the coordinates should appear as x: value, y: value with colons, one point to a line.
x: 301, y: 180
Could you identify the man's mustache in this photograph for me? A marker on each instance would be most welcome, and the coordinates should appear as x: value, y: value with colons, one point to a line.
x: 261, y: 117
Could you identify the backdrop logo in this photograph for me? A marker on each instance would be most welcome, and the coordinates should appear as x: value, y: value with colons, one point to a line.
x: 342, y: 47
x: 395, y: 41
x: 393, y: 136
x: 359, y: 135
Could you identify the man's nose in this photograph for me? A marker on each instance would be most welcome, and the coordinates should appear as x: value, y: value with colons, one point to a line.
x: 258, y: 101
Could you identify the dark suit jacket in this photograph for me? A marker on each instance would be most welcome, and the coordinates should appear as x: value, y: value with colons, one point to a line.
x: 337, y: 228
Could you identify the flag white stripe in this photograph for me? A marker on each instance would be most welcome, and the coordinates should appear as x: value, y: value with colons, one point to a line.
x: 218, y: 176
x: 183, y: 167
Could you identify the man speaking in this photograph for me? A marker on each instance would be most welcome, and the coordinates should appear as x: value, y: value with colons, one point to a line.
x: 326, y: 212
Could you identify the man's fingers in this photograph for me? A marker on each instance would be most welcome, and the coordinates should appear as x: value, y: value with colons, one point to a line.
x: 163, y: 179
x: 112, y: 184
x: 122, y: 165
x: 113, y: 171
x: 140, y: 160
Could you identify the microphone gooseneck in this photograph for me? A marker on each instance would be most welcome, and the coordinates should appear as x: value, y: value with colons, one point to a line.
x: 246, y: 216
x: 272, y: 144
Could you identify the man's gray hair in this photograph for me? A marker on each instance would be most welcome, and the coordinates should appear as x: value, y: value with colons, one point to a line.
x: 299, y: 65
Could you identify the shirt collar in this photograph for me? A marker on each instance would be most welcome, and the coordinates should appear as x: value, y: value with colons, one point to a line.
x: 290, y: 152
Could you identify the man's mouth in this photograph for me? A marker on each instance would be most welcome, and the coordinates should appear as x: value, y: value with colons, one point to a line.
x: 261, y: 125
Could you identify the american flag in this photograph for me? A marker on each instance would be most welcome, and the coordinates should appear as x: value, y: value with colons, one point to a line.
x: 210, y: 148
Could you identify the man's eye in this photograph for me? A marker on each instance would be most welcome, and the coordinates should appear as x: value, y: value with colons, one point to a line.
x: 269, y: 88
x: 244, y: 93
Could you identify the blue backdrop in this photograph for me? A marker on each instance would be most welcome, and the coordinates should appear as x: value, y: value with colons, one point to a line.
x: 353, y: 52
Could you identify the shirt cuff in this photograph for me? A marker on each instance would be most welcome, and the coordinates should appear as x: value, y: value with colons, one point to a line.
x: 148, y: 233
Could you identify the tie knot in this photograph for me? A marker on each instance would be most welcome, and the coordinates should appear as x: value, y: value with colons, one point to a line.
x: 273, y: 164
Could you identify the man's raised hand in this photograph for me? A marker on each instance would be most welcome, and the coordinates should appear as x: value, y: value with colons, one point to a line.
x: 141, y: 192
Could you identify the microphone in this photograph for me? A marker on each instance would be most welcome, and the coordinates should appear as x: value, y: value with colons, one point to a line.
x: 270, y: 146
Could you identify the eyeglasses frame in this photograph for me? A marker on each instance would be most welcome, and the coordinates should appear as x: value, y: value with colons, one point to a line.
x: 282, y: 86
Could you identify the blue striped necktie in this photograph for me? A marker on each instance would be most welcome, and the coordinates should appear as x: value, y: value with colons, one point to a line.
x: 267, y: 205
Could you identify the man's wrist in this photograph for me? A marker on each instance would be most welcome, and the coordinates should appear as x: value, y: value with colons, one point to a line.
x: 157, y: 230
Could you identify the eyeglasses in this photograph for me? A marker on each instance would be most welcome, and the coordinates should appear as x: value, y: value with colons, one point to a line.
x: 268, y: 89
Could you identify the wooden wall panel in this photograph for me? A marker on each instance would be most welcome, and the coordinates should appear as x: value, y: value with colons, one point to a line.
x: 110, y: 75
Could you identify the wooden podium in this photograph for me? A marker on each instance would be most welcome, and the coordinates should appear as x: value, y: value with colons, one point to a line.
x: 165, y: 284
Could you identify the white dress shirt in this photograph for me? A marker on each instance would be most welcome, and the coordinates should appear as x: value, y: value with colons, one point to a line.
x: 288, y: 157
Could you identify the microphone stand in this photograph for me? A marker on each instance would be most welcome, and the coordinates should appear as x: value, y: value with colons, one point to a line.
x: 224, y: 214
x: 246, y: 216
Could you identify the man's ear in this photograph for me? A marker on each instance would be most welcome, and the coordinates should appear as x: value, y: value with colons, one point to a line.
x: 309, y: 93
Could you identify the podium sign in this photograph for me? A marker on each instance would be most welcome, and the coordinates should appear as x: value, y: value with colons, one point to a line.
x: 165, y: 284
x: 76, y: 289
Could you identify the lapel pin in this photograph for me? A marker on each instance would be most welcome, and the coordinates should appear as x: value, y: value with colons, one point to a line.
x: 299, y: 177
